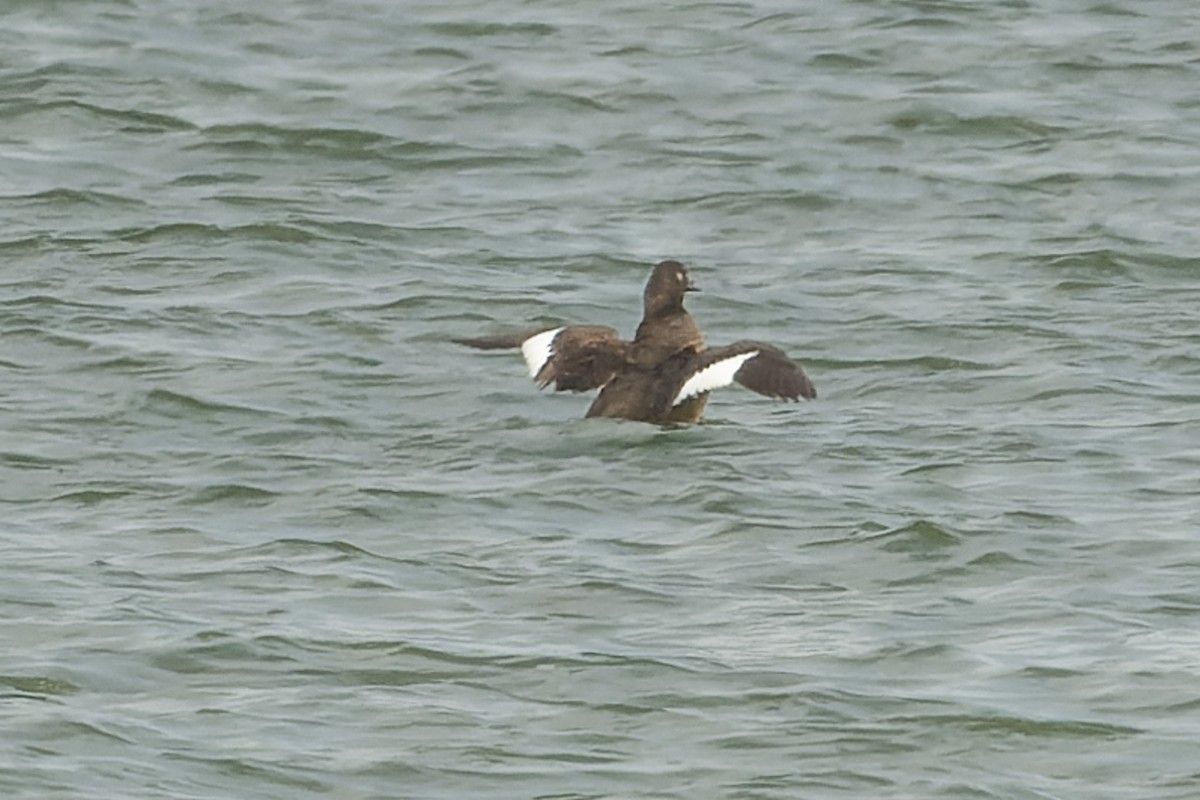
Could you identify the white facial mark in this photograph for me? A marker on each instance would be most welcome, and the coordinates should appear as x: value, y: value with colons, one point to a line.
x: 536, y: 350
x: 714, y: 376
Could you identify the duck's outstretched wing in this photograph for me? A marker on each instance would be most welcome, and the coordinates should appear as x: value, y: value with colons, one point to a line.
x: 574, y: 358
x: 757, y: 366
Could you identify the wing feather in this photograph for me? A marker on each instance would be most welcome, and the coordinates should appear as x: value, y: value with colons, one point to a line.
x: 757, y: 366
x: 574, y: 358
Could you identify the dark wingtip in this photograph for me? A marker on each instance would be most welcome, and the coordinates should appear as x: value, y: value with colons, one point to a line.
x: 503, y: 341
x: 773, y: 374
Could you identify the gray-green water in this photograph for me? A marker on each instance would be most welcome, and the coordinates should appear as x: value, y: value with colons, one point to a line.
x: 266, y: 534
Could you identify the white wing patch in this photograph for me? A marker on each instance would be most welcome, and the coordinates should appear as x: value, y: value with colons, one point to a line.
x: 537, y: 350
x: 714, y: 376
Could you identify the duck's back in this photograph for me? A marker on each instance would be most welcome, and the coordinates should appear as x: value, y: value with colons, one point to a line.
x: 648, y: 394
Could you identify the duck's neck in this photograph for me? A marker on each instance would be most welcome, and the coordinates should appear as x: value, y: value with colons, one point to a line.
x: 658, y: 307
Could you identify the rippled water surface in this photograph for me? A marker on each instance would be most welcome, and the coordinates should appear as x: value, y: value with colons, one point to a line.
x: 268, y: 534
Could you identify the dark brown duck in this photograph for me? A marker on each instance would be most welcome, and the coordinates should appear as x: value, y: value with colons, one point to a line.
x: 665, y: 374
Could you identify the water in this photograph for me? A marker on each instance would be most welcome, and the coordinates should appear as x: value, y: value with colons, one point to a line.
x: 267, y: 534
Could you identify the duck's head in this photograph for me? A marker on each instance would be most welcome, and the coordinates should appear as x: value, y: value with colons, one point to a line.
x: 668, y: 283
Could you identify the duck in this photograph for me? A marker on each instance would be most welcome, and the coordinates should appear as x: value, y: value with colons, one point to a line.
x: 664, y: 375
